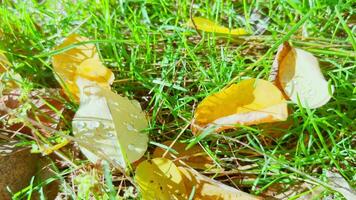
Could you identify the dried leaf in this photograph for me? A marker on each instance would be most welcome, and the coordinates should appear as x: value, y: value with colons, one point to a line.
x: 108, y: 126
x: 81, y: 61
x: 211, y: 27
x: 195, y: 157
x: 297, y: 73
x: 341, y: 185
x: 160, y: 179
x: 209, y: 189
x: 249, y: 102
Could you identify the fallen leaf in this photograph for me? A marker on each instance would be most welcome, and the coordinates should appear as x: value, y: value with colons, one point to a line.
x: 80, y: 61
x: 210, y: 189
x: 4, y: 63
x: 160, y: 179
x: 195, y: 157
x: 341, y: 185
x: 9, y: 78
x: 297, y: 73
x: 212, y: 27
x: 249, y: 102
x: 108, y: 126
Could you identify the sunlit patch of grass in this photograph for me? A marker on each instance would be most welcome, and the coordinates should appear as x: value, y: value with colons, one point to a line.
x: 170, y: 68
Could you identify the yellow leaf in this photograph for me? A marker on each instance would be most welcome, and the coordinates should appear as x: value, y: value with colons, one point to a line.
x: 4, y: 63
x: 195, y: 157
x: 81, y: 61
x: 209, y: 189
x: 297, y: 73
x: 160, y: 179
x: 10, y: 81
x: 108, y: 126
x: 249, y: 102
x: 211, y: 27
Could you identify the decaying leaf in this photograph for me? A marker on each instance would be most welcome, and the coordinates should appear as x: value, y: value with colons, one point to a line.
x: 43, y: 107
x: 108, y: 126
x: 212, y: 27
x: 195, y: 157
x: 249, y: 102
x: 297, y: 73
x: 160, y: 179
x: 81, y: 61
x: 209, y: 189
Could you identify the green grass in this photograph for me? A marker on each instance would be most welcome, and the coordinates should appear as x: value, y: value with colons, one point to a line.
x: 169, y: 69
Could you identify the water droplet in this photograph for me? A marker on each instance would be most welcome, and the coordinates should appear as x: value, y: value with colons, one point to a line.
x: 130, y: 127
x: 136, y: 104
x: 134, y: 116
x: 131, y: 147
x: 95, y: 124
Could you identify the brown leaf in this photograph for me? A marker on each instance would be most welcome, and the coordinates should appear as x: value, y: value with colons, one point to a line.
x: 46, y: 109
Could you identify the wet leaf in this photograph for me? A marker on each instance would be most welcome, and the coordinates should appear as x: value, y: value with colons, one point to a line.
x: 195, y: 157
x: 297, y: 73
x: 108, y: 126
x: 80, y: 60
x: 160, y: 179
x: 210, y: 189
x: 252, y: 101
x: 212, y: 27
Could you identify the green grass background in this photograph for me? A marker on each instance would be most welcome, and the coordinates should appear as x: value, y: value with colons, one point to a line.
x: 169, y: 68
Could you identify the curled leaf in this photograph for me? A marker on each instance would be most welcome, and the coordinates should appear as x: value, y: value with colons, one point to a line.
x: 297, y: 73
x: 80, y: 60
x: 249, y: 102
x: 212, y: 27
x: 209, y: 189
x: 160, y: 179
x: 108, y: 126
x: 195, y: 157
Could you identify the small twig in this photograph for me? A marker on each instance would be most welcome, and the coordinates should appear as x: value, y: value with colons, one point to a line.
x: 175, y: 140
x: 191, y: 18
